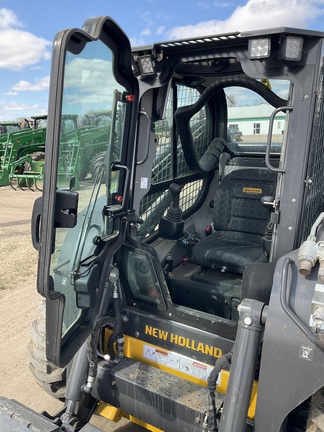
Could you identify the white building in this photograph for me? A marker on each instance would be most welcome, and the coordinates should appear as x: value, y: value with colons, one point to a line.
x: 254, y: 119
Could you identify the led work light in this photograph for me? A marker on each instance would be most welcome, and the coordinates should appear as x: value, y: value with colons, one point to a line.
x: 146, y: 65
x: 292, y: 48
x: 259, y: 48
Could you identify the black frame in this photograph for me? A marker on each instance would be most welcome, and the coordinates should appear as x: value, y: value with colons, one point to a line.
x: 105, y: 29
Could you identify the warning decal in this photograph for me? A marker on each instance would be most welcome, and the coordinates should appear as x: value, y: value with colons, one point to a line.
x: 177, y: 362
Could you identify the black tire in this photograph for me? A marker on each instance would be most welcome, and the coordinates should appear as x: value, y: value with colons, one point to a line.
x: 315, y: 422
x: 83, y: 173
x: 96, y: 163
x: 48, y: 376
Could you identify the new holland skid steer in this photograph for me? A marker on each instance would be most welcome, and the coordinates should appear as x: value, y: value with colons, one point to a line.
x: 184, y: 287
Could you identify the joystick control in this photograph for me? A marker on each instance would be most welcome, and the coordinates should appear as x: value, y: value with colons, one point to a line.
x: 171, y: 225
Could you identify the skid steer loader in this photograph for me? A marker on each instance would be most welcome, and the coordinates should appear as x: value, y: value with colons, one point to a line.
x: 185, y: 287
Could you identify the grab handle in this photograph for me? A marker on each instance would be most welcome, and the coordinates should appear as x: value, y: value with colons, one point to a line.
x: 268, y: 147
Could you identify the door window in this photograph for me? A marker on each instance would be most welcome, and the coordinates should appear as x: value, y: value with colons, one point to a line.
x: 89, y: 87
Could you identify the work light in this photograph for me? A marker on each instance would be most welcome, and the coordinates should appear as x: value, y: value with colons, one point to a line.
x: 259, y: 48
x: 146, y: 65
x: 291, y: 48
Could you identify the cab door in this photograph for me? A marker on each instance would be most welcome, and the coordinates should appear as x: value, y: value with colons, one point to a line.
x: 76, y: 224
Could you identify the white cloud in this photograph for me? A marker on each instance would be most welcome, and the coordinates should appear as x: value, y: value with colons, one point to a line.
x: 204, y: 5
x: 8, y: 19
x: 146, y: 32
x: 19, y: 48
x: 10, y: 93
x: 160, y: 30
x: 40, y: 84
x: 222, y: 4
x: 155, y: 28
x: 89, y: 84
x: 254, y: 15
x: 14, y: 106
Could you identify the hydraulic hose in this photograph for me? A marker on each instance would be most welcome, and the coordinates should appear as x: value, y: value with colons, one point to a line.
x: 117, y: 330
x: 93, y: 343
x: 284, y: 301
x: 220, y: 364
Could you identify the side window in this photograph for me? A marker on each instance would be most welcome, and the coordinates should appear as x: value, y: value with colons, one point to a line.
x: 256, y: 128
x: 140, y: 278
x: 248, y: 119
x: 169, y: 163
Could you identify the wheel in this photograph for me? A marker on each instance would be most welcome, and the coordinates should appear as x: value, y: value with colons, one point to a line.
x: 96, y: 163
x: 51, y: 378
x: 38, y: 156
x: 315, y: 422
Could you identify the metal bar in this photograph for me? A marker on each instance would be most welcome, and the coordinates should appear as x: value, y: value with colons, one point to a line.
x: 246, y: 349
x: 268, y: 145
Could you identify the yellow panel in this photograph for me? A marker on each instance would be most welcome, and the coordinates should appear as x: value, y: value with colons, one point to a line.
x: 109, y: 411
x: 134, y: 349
x: 114, y: 414
x: 144, y: 425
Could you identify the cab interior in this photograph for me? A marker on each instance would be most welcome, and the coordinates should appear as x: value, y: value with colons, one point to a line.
x: 210, y: 214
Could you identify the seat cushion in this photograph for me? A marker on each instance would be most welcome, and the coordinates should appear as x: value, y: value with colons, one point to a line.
x: 232, y: 255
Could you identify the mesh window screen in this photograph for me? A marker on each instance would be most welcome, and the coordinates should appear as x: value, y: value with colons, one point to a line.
x: 154, y: 205
x: 313, y: 200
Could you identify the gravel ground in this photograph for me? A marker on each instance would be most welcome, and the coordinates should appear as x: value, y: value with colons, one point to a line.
x: 19, y: 302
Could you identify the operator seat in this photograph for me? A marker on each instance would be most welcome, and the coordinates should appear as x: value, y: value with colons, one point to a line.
x: 239, y: 220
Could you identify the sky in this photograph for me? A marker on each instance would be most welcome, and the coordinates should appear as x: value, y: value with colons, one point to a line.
x: 27, y: 30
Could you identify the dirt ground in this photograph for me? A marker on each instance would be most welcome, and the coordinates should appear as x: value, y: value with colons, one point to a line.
x: 19, y: 302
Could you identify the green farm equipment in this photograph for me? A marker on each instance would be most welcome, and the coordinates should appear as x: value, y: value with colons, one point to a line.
x: 21, y: 157
x: 22, y: 154
x: 81, y: 145
x: 37, y: 121
x: 7, y: 127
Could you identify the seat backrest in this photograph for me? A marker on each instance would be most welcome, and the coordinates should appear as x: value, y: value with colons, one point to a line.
x: 238, y: 208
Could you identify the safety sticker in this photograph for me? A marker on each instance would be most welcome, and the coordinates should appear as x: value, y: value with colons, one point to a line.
x: 306, y: 353
x: 144, y: 182
x: 177, y: 362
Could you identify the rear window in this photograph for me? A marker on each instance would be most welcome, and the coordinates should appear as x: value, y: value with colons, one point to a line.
x: 248, y: 116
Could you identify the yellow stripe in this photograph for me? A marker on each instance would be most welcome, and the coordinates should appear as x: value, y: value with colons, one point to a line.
x: 144, y: 425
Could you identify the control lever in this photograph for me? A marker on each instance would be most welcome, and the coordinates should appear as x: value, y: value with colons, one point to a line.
x: 171, y: 226
x: 268, y: 201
